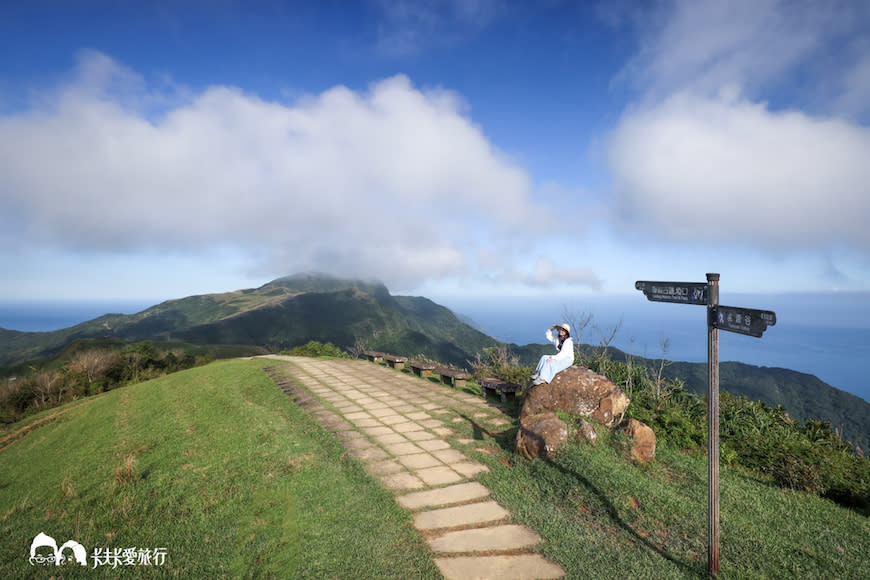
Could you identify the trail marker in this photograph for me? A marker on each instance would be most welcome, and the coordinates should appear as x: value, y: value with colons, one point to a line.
x: 740, y: 320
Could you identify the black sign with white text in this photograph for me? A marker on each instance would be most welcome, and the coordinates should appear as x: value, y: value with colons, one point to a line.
x: 677, y: 292
x: 743, y: 320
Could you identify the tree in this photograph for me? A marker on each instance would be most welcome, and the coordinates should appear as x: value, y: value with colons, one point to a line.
x: 47, y: 384
x: 605, y: 340
x: 660, y: 389
x: 91, y: 364
x: 578, y: 324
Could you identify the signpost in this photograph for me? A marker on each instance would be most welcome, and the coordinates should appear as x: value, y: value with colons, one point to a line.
x: 741, y: 320
x: 680, y: 292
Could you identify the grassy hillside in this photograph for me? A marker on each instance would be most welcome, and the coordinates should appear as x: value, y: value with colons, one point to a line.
x: 223, y: 470
x: 603, y: 516
x: 214, y: 464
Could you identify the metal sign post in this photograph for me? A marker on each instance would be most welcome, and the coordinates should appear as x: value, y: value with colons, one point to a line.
x: 712, y: 427
x: 741, y: 320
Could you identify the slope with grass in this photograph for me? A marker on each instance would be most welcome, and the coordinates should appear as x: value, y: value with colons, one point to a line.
x: 214, y: 464
x: 219, y: 467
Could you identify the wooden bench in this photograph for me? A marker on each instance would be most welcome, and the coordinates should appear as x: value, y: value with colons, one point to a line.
x: 374, y: 355
x: 498, y: 386
x: 422, y: 368
x: 395, y: 361
x: 452, y: 377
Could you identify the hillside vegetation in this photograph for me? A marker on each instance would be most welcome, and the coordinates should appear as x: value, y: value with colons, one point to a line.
x: 356, y: 315
x: 222, y: 469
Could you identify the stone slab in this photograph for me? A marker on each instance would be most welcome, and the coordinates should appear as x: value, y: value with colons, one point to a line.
x: 402, y: 449
x: 469, y: 468
x: 463, y: 515
x: 418, y: 461
x: 449, y: 456
x: 434, y: 445
x: 505, y: 537
x: 419, y: 435
x: 519, y: 567
x: 443, y: 496
x: 385, y: 467
x: 390, y: 439
x: 370, y: 454
x: 381, y: 430
x: 438, y: 475
x: 402, y: 480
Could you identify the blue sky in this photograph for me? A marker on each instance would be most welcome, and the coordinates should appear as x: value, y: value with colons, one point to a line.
x: 153, y: 150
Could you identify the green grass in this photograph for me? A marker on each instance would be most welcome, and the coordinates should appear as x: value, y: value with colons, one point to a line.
x: 223, y: 470
x: 603, y: 516
x: 214, y: 464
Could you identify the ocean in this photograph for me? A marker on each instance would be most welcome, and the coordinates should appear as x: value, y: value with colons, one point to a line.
x: 48, y: 316
x: 824, y: 335
x: 827, y: 335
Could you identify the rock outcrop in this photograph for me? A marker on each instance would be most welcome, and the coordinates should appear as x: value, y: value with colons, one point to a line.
x: 587, y: 431
x: 643, y: 441
x: 578, y: 391
x: 540, y: 435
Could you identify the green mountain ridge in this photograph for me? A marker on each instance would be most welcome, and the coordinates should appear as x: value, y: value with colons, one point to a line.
x: 293, y: 310
x: 286, y: 312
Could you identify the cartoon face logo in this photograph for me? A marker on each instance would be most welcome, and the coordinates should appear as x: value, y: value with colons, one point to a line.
x: 57, y: 554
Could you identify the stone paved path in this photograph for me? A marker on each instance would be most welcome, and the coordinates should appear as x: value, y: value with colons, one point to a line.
x: 397, y: 425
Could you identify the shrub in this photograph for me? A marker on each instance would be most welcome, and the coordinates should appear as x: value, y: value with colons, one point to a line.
x: 318, y: 349
x: 498, y: 362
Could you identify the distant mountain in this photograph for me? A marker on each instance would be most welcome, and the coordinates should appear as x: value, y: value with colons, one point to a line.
x: 284, y: 313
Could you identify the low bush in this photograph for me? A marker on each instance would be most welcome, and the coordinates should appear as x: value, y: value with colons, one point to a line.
x: 318, y: 349
x: 500, y: 363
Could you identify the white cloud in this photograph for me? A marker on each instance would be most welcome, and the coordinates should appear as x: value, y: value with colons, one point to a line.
x: 732, y: 142
x: 503, y: 269
x: 730, y: 170
x: 385, y: 183
x: 705, y: 45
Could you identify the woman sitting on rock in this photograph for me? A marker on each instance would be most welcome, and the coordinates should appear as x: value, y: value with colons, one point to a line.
x: 549, y: 365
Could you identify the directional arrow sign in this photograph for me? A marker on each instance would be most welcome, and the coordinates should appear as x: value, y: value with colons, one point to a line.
x: 743, y: 320
x: 679, y: 292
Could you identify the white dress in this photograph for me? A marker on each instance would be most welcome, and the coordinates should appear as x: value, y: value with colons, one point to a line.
x: 549, y: 365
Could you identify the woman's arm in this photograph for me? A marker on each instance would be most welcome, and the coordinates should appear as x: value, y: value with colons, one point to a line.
x: 551, y: 337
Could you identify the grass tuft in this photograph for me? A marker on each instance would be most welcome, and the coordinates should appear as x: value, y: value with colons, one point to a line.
x: 125, y: 473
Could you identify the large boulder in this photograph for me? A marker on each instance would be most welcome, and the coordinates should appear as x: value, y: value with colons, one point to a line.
x: 578, y: 391
x: 643, y: 440
x: 540, y: 435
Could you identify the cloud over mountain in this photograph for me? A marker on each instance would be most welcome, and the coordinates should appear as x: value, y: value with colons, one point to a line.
x: 350, y: 181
